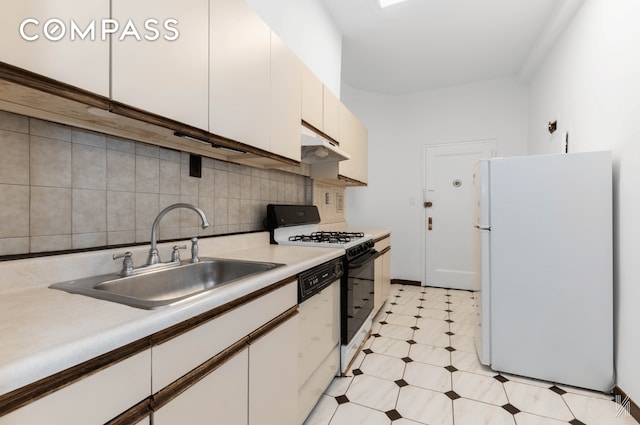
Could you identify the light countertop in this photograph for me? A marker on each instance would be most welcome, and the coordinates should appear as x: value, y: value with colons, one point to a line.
x: 45, y: 331
x: 375, y: 233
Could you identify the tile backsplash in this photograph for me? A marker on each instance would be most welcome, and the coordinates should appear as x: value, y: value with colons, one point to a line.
x: 65, y: 188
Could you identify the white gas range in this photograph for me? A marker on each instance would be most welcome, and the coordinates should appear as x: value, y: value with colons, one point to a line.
x: 297, y: 225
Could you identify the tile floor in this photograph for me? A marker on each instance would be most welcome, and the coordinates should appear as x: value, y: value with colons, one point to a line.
x: 420, y: 367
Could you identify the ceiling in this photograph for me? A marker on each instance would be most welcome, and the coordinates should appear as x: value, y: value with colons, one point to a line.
x: 425, y: 44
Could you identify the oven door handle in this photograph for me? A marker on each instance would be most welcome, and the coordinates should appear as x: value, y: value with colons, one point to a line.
x: 360, y: 261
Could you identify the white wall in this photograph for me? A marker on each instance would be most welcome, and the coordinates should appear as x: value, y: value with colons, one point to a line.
x: 590, y: 83
x: 399, y: 127
x: 308, y: 29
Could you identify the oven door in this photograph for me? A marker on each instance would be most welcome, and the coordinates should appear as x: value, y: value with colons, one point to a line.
x: 357, y: 295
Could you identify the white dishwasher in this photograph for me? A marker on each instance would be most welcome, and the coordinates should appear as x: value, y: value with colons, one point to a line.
x: 319, y: 332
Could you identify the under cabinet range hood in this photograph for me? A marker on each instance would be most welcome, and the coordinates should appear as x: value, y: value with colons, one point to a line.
x: 317, y: 149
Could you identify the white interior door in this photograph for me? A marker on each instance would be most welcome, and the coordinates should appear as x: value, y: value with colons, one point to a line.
x: 448, y: 202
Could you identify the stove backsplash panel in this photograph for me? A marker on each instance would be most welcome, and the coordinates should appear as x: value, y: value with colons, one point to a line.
x: 330, y: 200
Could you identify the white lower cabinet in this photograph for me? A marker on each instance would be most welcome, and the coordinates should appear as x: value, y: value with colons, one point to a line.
x: 382, y: 273
x: 220, y: 398
x: 256, y: 386
x: 238, y: 367
x: 273, y: 376
x: 93, y: 400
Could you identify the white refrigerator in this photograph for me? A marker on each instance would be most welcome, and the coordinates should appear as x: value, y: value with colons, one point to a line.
x: 544, y: 273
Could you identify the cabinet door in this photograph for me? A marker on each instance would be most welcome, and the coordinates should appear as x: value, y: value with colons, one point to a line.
x: 240, y: 46
x: 93, y: 400
x: 378, y: 295
x: 220, y: 398
x: 386, y: 274
x: 273, y: 380
x: 81, y: 62
x: 286, y: 92
x: 331, y: 114
x: 177, y: 356
x: 312, y: 103
x: 382, y: 271
x: 353, y: 139
x: 166, y: 76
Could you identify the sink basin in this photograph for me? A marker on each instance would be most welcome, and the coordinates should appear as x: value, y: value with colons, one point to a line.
x: 166, y: 286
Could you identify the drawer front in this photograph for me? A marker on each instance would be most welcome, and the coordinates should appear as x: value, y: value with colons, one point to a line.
x: 175, y: 357
x: 382, y: 244
x: 93, y: 400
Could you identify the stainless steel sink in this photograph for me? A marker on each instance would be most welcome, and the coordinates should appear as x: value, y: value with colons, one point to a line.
x: 162, y: 287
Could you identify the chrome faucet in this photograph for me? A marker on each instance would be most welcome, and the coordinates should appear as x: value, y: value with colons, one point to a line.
x: 153, y: 257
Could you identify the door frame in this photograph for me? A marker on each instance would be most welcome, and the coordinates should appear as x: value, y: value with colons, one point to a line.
x: 423, y: 221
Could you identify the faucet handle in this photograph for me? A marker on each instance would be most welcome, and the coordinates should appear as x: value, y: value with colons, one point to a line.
x: 175, y: 255
x: 194, y: 250
x: 127, y: 263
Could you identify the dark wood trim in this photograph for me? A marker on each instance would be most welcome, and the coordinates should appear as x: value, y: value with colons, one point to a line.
x: 48, y: 85
x: 271, y: 325
x: 384, y: 251
x: 189, y: 324
x: 155, y: 119
x: 320, y: 132
x: 351, y: 182
x: 182, y: 384
x: 134, y: 415
x: 381, y: 238
x: 22, y: 396
x: 634, y: 408
x: 102, y: 248
x: 406, y: 282
x: 177, y: 126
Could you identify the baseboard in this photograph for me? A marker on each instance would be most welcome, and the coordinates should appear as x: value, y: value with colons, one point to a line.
x: 634, y: 409
x: 405, y: 282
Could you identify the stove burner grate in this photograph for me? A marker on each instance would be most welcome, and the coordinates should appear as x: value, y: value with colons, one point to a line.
x: 327, y: 237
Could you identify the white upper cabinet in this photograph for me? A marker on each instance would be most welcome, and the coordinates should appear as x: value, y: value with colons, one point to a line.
x: 55, y: 38
x: 164, y: 69
x: 320, y: 107
x: 312, y: 90
x: 331, y: 114
x: 353, y: 139
x: 240, y: 71
x: 286, y: 92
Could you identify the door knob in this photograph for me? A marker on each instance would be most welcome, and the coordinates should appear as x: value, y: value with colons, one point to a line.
x: 428, y: 204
